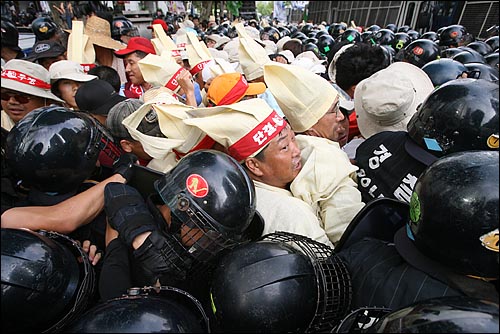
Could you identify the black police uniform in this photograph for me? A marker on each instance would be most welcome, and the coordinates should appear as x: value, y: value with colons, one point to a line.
x: 381, y: 277
x: 386, y: 169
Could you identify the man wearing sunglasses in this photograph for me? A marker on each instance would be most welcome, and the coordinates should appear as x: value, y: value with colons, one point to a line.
x: 25, y: 87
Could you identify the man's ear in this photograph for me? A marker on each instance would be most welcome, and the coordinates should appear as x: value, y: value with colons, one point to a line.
x: 253, y: 166
x: 126, y: 145
x: 312, y: 132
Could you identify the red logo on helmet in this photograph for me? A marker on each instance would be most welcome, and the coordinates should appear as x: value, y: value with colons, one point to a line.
x: 118, y: 24
x: 418, y: 50
x: 197, y: 185
x: 453, y: 34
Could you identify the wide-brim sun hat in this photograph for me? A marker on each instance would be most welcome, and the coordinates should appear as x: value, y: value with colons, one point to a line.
x: 387, y: 100
x: 99, y: 32
x: 28, y: 78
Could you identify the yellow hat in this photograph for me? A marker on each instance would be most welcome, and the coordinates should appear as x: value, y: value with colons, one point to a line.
x: 160, y: 71
x: 252, y: 56
x: 303, y: 96
x: 244, y: 128
x: 198, y: 53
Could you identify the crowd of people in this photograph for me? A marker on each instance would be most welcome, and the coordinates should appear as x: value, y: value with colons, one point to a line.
x: 249, y: 176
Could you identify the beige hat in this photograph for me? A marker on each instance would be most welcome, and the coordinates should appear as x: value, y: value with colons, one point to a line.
x: 388, y: 99
x: 166, y: 95
x: 252, y: 56
x: 219, y: 40
x: 244, y: 128
x: 99, y: 32
x: 198, y: 53
x: 270, y: 47
x: 186, y: 24
x: 67, y: 69
x: 304, y: 97
x: 310, y: 62
x: 231, y: 48
x: 160, y: 71
x: 163, y: 44
x: 219, y: 54
x: 288, y: 54
x: 331, y: 68
x: 282, y: 42
x: 27, y: 77
x: 252, y: 32
x: 215, y: 67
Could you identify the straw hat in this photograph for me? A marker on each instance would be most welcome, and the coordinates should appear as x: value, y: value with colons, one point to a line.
x: 252, y: 56
x: 388, y: 99
x: 304, y: 97
x: 244, y: 128
x: 99, y: 32
x: 27, y: 77
x: 160, y: 71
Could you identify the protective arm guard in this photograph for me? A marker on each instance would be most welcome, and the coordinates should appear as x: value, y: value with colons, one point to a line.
x: 127, y: 212
x: 162, y: 255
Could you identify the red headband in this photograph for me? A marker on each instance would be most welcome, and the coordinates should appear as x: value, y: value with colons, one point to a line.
x: 199, y: 67
x: 259, y: 137
x: 24, y: 78
x: 172, y: 84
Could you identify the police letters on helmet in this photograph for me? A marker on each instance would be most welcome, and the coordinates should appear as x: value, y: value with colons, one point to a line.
x: 42, y: 48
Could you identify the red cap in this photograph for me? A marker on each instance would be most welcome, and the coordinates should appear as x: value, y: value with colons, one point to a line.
x: 136, y: 44
x: 159, y: 21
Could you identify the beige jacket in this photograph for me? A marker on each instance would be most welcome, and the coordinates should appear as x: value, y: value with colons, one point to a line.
x: 327, y: 183
x: 283, y: 212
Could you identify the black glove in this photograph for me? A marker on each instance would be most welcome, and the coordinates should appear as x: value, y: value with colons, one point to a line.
x: 124, y: 164
x: 127, y: 212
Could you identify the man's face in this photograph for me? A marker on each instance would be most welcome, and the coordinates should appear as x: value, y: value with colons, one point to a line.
x: 17, y: 104
x: 132, y: 69
x: 210, y: 43
x: 333, y: 125
x: 281, y: 162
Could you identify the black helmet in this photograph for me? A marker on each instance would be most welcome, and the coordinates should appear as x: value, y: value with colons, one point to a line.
x: 44, y: 28
x: 284, y: 31
x: 307, y: 28
x: 414, y: 35
x: 492, y: 42
x: 322, y: 32
x: 383, y: 37
x: 373, y: 28
x: 45, y: 275
x: 404, y: 28
x: 482, y: 71
x: 420, y: 52
x: 482, y: 47
x: 367, y: 37
x: 273, y: 34
x: 433, y: 36
x: 463, y: 188
x: 211, y: 194
x: 454, y: 35
x: 351, y: 35
x: 284, y: 282
x: 10, y: 35
x: 460, y: 115
x: 145, y: 310
x: 450, y: 52
x: 55, y: 149
x: 469, y: 56
x: 392, y: 27
x: 443, y: 70
x: 325, y: 44
x: 123, y: 26
x: 312, y: 40
x: 457, y: 314
x: 492, y: 59
x: 337, y: 29
x: 401, y: 40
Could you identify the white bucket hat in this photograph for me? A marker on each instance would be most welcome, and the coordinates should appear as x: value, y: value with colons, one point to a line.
x: 27, y: 77
x: 67, y: 69
x: 388, y: 99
